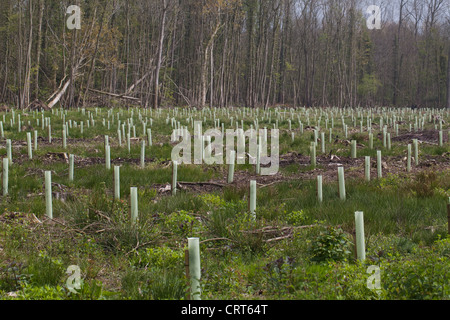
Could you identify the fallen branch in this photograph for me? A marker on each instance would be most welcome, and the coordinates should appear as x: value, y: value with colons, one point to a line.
x: 202, y: 184
x: 120, y: 96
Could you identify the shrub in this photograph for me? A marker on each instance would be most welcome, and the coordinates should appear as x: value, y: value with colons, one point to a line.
x: 164, y: 258
x: 331, y: 245
x: 296, y: 218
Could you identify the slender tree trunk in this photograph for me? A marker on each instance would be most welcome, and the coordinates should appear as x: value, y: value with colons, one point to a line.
x: 27, y: 80
x: 159, y: 61
x: 39, y: 49
x: 448, y: 80
x: 208, y: 51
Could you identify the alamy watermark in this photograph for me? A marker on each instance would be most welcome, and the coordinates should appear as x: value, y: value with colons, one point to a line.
x: 374, y: 20
x: 215, y: 146
x: 73, y: 282
x: 374, y: 281
x: 74, y: 20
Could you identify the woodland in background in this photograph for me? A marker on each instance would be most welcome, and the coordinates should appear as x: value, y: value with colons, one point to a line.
x: 253, y: 53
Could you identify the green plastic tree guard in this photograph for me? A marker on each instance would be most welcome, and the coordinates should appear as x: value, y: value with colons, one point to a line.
x: 35, y: 140
x: 108, y: 157
x: 64, y: 136
x: 48, y: 194
x: 360, y: 243
x: 319, y: 189
x: 134, y: 204
x: 194, y: 267
x: 341, y: 179
x: 143, y: 154
x: 252, y: 198
x: 408, y: 159
x: 231, y: 166
x: 116, y: 182
x: 379, y: 165
x: 354, y: 155
x: 5, y: 176
x: 149, y: 137
x: 9, y: 150
x: 71, y: 167
x: 312, y: 149
x: 416, y: 151
x: 129, y: 142
x: 174, y: 177
x: 367, y: 168
x: 29, y: 146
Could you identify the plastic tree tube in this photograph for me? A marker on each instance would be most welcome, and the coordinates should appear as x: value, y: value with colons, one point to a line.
x: 174, y: 177
x: 29, y: 146
x: 252, y: 198
x: 354, y: 149
x: 379, y: 165
x: 341, y: 178
x: 367, y: 168
x: 71, y: 167
x: 149, y: 137
x: 319, y: 189
x: 194, y: 267
x: 416, y: 151
x: 408, y: 160
x: 48, y: 194
x: 9, y: 150
x: 108, y: 157
x: 231, y: 166
x: 258, y: 159
x: 5, y: 176
x: 119, y: 137
x: 360, y: 243
x: 143, y: 154
x: 116, y: 182
x: 64, y: 136
x: 322, y: 137
x: 35, y: 140
x: 313, y: 154
x: 134, y: 204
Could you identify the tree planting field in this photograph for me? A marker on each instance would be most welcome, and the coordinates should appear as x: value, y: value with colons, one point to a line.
x: 292, y: 246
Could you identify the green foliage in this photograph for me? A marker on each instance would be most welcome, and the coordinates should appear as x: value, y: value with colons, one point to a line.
x: 296, y: 218
x: 331, y: 245
x: 163, y: 258
x: 182, y: 223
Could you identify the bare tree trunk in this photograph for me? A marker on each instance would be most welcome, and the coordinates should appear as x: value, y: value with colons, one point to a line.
x: 39, y: 49
x: 159, y: 61
x: 208, y: 50
x: 27, y: 80
x: 448, y: 80
x: 91, y: 69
